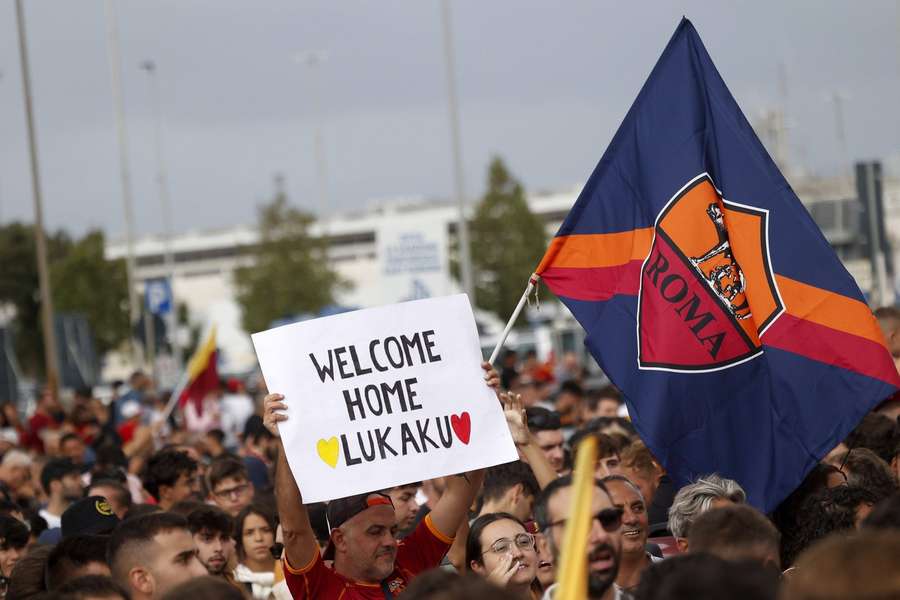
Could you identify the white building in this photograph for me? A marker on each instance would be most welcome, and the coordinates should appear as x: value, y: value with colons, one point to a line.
x: 393, y: 252
x: 400, y: 250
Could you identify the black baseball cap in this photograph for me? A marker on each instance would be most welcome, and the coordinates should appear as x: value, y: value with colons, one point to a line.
x: 89, y: 516
x: 542, y: 419
x: 341, y: 510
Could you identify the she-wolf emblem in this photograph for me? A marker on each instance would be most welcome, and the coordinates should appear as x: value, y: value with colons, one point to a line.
x: 719, y: 269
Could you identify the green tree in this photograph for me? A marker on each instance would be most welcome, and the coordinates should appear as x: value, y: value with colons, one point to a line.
x: 289, y: 275
x: 507, y: 242
x: 84, y: 281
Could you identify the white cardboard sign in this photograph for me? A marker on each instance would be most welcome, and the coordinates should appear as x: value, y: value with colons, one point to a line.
x: 383, y: 396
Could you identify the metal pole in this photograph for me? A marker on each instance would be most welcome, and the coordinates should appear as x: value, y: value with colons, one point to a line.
x: 47, y: 324
x: 115, y: 75
x: 532, y: 281
x: 165, y: 206
x: 462, y: 228
x: 1, y: 191
x: 314, y: 59
x: 841, y: 133
x: 876, y: 244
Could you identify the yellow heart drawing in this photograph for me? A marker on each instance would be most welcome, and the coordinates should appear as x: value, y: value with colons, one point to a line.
x: 328, y: 451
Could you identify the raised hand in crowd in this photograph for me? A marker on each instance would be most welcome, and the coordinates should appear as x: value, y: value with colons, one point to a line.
x: 529, y: 451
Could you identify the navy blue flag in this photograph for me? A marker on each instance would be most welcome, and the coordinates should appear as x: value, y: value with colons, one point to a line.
x: 709, y: 296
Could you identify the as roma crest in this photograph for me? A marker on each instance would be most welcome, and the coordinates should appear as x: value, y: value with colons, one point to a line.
x: 707, y: 292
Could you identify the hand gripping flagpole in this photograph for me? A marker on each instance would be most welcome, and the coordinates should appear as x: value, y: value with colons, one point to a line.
x: 532, y: 282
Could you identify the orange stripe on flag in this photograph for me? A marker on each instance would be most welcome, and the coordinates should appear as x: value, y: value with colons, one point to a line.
x: 592, y: 250
x: 826, y: 308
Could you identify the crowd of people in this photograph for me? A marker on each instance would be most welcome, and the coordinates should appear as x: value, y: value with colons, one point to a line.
x: 116, y: 500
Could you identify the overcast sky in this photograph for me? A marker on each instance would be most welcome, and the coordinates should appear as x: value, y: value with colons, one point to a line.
x: 543, y: 84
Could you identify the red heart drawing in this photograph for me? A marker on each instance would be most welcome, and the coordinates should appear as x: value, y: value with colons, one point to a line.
x: 462, y: 426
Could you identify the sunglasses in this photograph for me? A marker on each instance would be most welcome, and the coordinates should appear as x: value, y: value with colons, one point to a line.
x: 610, y: 519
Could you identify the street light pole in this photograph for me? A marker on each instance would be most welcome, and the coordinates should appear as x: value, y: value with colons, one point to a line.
x: 314, y: 59
x: 50, y: 356
x: 465, y: 259
x: 165, y: 205
x: 115, y: 75
x: 1, y: 189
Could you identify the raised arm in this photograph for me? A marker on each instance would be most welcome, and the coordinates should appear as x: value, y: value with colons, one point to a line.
x: 452, y: 509
x: 527, y: 446
x: 299, y: 540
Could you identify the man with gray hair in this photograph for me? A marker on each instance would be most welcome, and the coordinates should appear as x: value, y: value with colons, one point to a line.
x: 15, y: 472
x: 696, y: 498
x: 627, y: 497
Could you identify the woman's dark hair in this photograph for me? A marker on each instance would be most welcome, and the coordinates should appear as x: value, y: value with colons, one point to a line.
x: 13, y: 533
x: 27, y: 577
x: 821, y: 515
x: 474, y: 551
x: 789, y: 513
x: 253, y: 509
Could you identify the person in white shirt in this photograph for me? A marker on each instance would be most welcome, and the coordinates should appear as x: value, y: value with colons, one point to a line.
x: 237, y: 406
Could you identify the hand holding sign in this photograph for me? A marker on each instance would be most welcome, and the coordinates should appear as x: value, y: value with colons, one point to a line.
x: 391, y: 390
x: 272, y: 404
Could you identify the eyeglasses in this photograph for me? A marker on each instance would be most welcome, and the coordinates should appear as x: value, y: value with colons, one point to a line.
x: 233, y: 493
x: 523, y: 541
x: 610, y: 520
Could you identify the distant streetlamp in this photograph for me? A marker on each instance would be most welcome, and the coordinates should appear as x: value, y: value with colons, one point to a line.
x: 51, y: 361
x: 1, y: 197
x: 313, y: 59
x: 115, y: 77
x: 165, y: 204
x: 462, y: 228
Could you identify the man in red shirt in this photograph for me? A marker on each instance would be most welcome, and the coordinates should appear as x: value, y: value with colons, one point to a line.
x: 48, y: 414
x: 369, y: 562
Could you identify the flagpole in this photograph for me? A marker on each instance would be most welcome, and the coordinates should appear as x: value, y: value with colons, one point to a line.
x: 532, y: 281
x: 176, y: 393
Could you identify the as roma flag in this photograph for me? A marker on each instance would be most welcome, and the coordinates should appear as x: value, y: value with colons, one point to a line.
x: 202, y: 376
x: 709, y: 295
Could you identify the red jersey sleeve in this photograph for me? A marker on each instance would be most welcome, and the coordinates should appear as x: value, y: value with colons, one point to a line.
x: 313, y: 580
x: 423, y: 549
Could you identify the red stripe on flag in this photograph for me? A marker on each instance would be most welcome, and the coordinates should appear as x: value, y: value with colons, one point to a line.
x: 832, y: 347
x: 206, y: 382
x: 594, y: 284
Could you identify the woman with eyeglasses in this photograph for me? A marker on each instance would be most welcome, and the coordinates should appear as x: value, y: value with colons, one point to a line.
x: 500, y: 549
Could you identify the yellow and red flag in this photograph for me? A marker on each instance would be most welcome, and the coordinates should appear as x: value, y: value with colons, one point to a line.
x: 202, y: 375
